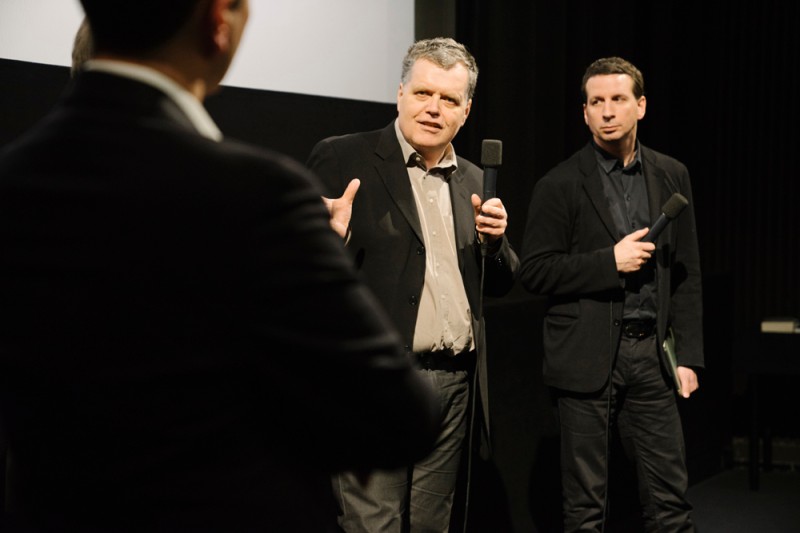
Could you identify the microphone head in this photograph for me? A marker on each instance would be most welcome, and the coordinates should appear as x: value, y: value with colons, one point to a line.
x: 675, y: 205
x: 491, y: 153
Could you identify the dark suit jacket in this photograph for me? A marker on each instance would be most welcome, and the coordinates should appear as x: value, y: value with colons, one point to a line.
x: 184, y: 343
x: 387, y: 241
x: 568, y: 255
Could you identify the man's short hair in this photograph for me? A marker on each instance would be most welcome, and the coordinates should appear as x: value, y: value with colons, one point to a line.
x: 614, y: 65
x: 445, y: 53
x: 82, y: 48
x: 135, y: 26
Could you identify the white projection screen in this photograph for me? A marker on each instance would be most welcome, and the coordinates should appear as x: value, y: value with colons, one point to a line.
x: 340, y: 48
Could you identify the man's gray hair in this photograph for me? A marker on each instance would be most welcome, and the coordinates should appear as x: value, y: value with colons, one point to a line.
x: 445, y: 53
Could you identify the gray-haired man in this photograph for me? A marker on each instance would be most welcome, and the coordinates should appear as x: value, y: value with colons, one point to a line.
x: 415, y: 233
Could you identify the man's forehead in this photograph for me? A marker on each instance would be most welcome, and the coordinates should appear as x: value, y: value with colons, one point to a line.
x: 614, y: 81
x: 458, y: 68
x: 436, y: 73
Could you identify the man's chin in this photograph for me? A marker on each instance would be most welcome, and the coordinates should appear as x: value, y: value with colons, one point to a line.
x: 610, y: 138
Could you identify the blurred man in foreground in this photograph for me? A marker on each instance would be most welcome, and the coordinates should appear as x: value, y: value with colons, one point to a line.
x: 184, y: 344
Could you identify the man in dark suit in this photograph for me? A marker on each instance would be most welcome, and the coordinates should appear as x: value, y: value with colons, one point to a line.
x: 611, y: 299
x: 417, y: 222
x: 185, y: 345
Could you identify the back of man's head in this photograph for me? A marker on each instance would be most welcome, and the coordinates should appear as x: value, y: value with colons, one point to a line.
x: 136, y: 26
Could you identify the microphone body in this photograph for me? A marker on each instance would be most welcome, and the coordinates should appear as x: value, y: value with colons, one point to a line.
x: 674, y: 207
x: 491, y: 158
x: 489, y: 183
x: 658, y: 226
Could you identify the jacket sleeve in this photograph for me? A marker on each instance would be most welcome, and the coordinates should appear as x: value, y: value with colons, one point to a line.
x: 554, y: 261
x: 686, y: 305
x: 501, y: 269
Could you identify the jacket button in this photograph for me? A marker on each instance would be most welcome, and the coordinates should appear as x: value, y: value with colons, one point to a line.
x: 617, y: 323
x: 413, y: 300
x: 420, y: 250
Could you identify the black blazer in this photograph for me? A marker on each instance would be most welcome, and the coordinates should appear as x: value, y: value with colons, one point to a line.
x: 568, y: 255
x: 387, y: 241
x: 184, y: 343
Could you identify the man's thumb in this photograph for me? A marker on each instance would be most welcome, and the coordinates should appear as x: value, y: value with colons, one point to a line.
x: 637, y: 235
x: 352, y: 188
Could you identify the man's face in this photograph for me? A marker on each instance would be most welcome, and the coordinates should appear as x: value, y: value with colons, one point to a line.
x: 432, y: 106
x: 611, y: 110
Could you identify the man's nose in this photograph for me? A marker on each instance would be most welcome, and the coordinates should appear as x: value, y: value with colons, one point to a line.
x: 433, y: 105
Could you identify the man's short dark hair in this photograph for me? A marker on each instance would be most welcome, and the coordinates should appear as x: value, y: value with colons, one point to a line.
x: 135, y: 26
x: 614, y: 65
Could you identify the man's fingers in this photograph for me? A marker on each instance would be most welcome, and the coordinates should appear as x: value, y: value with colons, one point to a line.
x: 689, y: 381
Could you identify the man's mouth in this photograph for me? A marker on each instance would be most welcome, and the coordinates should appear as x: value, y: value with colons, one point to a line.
x: 430, y: 125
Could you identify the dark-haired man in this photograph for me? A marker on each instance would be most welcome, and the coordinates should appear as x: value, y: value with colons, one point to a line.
x: 611, y: 298
x: 180, y: 328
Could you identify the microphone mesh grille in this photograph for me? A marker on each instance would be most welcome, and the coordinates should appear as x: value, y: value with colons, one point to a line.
x: 676, y: 203
x: 491, y: 153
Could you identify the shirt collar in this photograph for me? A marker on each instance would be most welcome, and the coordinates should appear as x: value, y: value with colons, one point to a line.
x: 186, y: 101
x: 447, y: 164
x: 608, y: 162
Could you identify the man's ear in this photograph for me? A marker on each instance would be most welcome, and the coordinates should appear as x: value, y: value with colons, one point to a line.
x: 641, y: 106
x: 399, y: 95
x: 467, y: 110
x: 217, y: 25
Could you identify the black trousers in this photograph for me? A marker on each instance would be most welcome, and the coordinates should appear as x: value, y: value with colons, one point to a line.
x: 641, y: 403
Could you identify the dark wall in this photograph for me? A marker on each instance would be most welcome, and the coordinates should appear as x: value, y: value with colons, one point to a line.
x: 288, y: 123
x: 27, y: 92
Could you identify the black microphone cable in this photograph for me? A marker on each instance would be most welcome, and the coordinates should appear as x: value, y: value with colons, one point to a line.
x: 491, y: 159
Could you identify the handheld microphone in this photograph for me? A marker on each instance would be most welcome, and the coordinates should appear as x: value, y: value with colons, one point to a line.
x: 491, y: 158
x: 674, y: 207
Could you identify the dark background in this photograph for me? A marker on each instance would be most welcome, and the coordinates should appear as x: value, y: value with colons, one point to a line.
x: 723, y: 90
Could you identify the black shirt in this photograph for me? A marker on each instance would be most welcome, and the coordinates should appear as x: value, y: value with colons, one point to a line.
x: 626, y: 192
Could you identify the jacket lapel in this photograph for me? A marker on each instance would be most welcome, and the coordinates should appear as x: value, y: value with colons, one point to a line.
x: 392, y: 170
x: 462, y: 211
x: 593, y: 186
x: 656, y: 182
